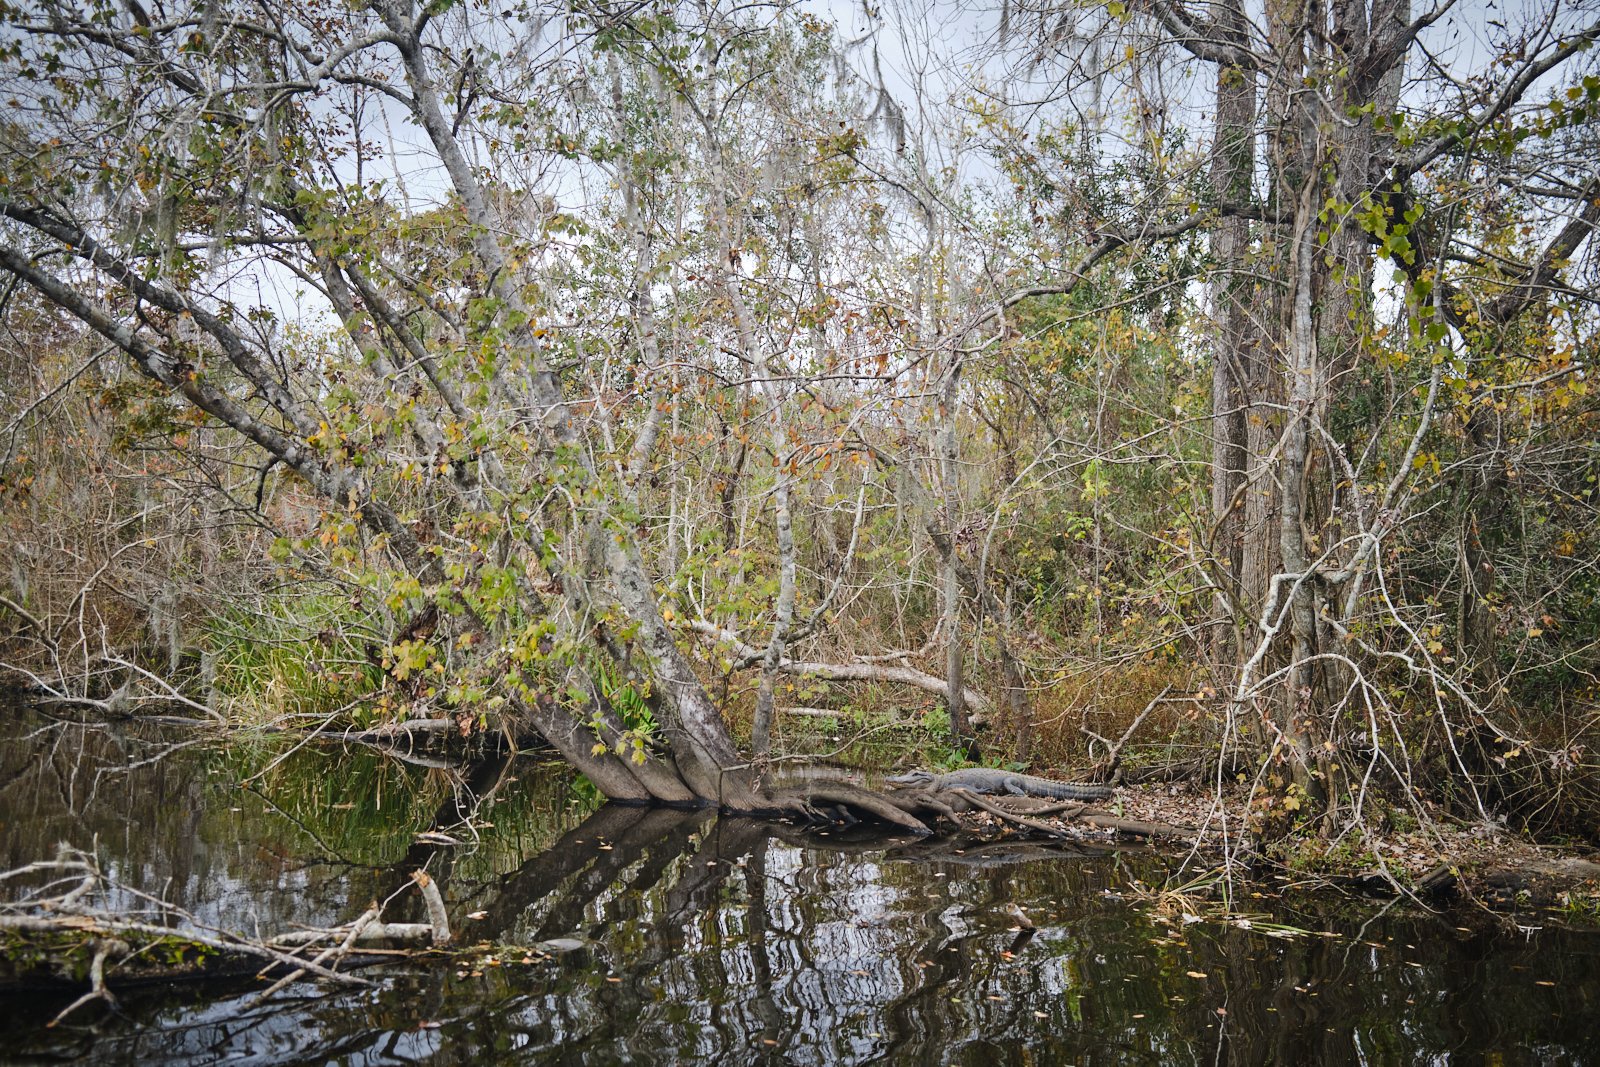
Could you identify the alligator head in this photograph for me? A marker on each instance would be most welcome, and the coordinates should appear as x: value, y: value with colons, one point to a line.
x: 912, y: 778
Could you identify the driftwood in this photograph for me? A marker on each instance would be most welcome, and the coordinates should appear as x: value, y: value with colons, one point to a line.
x: 810, y: 713
x: 367, y: 920
x: 111, y: 924
x: 431, y: 896
x: 369, y: 930
x: 97, y: 978
x: 396, y: 731
x: 369, y: 933
x: 68, y: 906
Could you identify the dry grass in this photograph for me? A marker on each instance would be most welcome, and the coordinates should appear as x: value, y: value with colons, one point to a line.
x: 1106, y: 700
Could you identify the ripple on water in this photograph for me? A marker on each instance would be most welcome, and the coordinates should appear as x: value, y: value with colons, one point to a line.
x: 726, y: 940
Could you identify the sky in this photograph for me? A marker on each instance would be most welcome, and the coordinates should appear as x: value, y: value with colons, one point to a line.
x: 927, y: 54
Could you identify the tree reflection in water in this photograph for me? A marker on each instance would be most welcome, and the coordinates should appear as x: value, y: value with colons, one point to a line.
x: 715, y: 939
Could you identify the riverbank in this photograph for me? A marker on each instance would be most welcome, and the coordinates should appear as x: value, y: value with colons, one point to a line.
x: 1433, y: 859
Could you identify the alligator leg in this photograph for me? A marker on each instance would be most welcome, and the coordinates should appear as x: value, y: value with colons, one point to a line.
x: 1015, y: 787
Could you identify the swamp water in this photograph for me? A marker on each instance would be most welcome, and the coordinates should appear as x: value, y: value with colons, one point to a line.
x: 704, y: 939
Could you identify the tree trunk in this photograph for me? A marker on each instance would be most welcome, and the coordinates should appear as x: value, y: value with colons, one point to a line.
x: 1296, y: 697
x: 1233, y: 162
x: 950, y: 579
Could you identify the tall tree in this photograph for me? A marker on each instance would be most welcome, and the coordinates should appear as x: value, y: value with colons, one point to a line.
x: 152, y: 162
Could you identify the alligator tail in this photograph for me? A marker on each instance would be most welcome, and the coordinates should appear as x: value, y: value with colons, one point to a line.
x: 1077, y: 791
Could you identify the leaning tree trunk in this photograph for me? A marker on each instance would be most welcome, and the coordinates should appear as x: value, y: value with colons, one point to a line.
x: 702, y: 750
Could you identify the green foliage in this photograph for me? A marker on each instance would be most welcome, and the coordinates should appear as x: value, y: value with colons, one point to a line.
x: 523, y: 432
x: 293, y: 654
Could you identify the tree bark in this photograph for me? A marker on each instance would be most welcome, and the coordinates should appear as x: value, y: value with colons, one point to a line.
x: 1233, y: 163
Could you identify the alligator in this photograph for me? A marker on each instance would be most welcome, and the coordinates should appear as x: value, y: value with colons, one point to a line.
x: 985, y: 780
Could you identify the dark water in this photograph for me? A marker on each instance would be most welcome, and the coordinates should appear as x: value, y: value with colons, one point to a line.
x: 728, y: 941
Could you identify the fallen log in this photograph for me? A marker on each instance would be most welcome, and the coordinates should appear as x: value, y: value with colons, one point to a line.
x: 1136, y: 827
x: 394, y: 731
x: 58, y: 923
x: 1539, y: 883
x: 810, y: 713
x: 370, y: 934
x: 896, y: 674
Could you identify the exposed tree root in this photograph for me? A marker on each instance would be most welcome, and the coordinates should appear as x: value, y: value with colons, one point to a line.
x: 1028, y: 813
x: 849, y: 796
x: 912, y: 809
x: 983, y: 803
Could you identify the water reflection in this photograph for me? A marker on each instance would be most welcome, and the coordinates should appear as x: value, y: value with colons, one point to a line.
x: 711, y: 939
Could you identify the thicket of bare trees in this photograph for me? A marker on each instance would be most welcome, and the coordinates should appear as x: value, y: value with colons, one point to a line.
x: 628, y: 371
